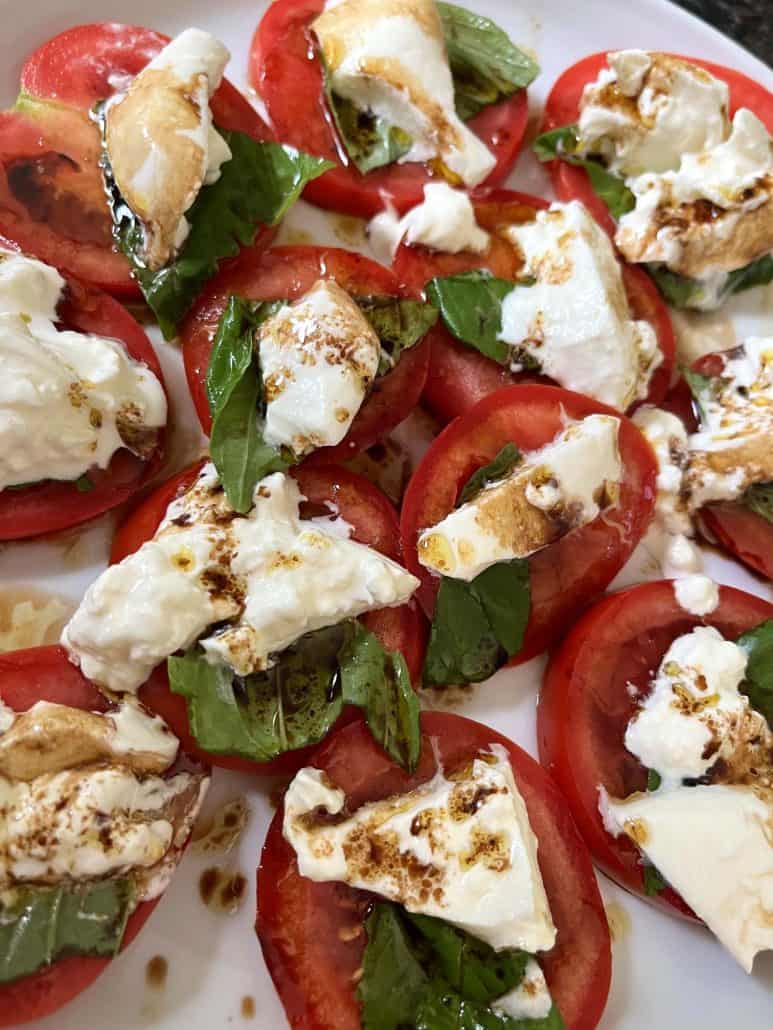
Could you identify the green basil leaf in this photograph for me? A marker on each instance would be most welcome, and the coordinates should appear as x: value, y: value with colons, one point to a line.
x: 679, y: 291
x: 83, y: 484
x: 485, y: 64
x: 256, y: 187
x: 235, y: 392
x: 653, y: 881
x: 393, y: 981
x: 758, y: 273
x: 654, y: 779
x: 470, y: 305
x: 399, y: 324
x: 562, y: 144
x: 700, y: 387
x: 759, y: 499
x: 38, y: 925
x: 378, y: 682
x: 293, y: 704
x: 758, y: 687
x: 502, y: 465
x: 369, y: 140
x: 443, y: 1008
x: 478, y: 625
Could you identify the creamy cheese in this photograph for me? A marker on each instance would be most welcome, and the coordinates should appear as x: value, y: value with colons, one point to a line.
x: 161, y: 142
x: 458, y: 849
x: 530, y: 999
x: 667, y: 436
x: 390, y: 58
x: 697, y: 594
x: 645, y: 110
x: 318, y: 358
x: 68, y: 400
x: 712, y: 215
x: 575, y: 319
x: 731, y: 450
x: 444, y: 221
x: 266, y: 579
x: 560, y: 487
x: 713, y: 845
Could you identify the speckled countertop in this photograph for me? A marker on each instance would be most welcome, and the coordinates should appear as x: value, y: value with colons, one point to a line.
x: 749, y: 22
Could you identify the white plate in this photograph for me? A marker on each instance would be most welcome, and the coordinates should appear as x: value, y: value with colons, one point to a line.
x: 666, y: 973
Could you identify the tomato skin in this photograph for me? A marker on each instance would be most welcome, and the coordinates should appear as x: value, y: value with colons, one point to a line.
x: 584, y: 706
x: 562, y: 107
x: 570, y: 573
x: 288, y: 273
x: 460, y: 376
x: 52, y: 505
x: 375, y: 523
x: 285, y: 71
x: 298, y: 922
x: 45, y: 674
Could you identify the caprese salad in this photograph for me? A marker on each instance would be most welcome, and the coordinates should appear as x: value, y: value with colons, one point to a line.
x: 674, y: 157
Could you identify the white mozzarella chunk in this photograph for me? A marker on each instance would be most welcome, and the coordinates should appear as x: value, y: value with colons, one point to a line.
x: 530, y: 999
x: 270, y: 575
x: 575, y: 319
x: 645, y: 110
x: 469, y: 838
x: 697, y: 594
x: 444, y: 221
x: 68, y: 400
x: 731, y: 451
x: 318, y: 358
x: 560, y: 487
x: 390, y: 59
x: 712, y: 844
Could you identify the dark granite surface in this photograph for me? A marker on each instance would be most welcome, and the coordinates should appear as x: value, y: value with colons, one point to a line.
x: 749, y: 22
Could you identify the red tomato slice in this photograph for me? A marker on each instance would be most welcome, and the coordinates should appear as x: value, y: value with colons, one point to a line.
x: 45, y: 674
x: 570, y: 573
x: 458, y: 375
x: 287, y: 273
x: 585, y: 706
x: 285, y: 71
x: 311, y: 932
x: 563, y: 108
x: 374, y: 521
x: 52, y: 200
x: 55, y: 505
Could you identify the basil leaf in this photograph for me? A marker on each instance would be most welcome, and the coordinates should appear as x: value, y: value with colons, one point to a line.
x: 470, y: 305
x: 682, y: 292
x: 399, y: 324
x: 759, y: 499
x: 378, y: 682
x: 561, y: 144
x: 654, y: 779
x: 486, y: 66
x: 442, y: 1008
x: 478, y: 625
x: 758, y: 686
x: 700, y: 386
x: 235, y: 392
x: 502, y: 465
x: 83, y: 484
x: 758, y: 273
x: 293, y: 704
x: 257, y: 186
x: 369, y: 140
x: 38, y: 925
x: 393, y: 980
x: 653, y: 881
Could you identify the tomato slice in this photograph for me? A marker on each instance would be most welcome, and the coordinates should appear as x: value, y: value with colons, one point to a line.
x: 311, y: 932
x: 374, y: 521
x: 54, y: 505
x: 45, y: 674
x: 460, y: 376
x: 285, y: 71
x: 52, y: 200
x: 585, y: 706
x: 570, y: 573
x: 287, y: 273
x: 563, y: 108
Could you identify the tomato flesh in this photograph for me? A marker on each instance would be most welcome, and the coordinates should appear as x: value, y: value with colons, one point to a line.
x: 310, y: 932
x: 374, y: 521
x: 45, y: 674
x: 287, y: 273
x: 460, y: 376
x: 285, y: 70
x: 585, y: 706
x: 54, y: 505
x: 570, y: 573
x: 562, y: 107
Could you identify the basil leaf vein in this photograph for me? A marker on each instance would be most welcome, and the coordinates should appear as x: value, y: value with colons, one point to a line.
x: 470, y: 305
